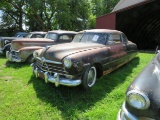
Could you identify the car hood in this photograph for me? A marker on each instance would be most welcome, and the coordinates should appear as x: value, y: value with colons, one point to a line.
x: 58, y: 52
x: 25, y: 42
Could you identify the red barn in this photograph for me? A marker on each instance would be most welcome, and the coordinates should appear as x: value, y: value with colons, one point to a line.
x: 138, y: 19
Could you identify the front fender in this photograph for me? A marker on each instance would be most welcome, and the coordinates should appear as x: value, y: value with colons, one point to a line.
x: 148, y: 81
x: 25, y: 52
x: 82, y: 60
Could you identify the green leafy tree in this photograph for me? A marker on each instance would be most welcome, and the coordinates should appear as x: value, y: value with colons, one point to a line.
x: 72, y: 15
x: 47, y: 15
x: 13, y: 13
x: 40, y: 14
x: 108, y: 5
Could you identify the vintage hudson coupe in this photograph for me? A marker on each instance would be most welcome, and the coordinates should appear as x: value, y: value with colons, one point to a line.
x: 5, y: 42
x: 22, y: 50
x: 91, y: 54
x: 143, y: 94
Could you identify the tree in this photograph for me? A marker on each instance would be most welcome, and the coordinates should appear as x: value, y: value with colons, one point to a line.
x: 73, y: 15
x: 44, y: 15
x: 108, y: 5
x: 40, y: 13
x: 13, y: 10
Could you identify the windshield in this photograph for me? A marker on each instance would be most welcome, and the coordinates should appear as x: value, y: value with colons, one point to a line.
x: 52, y: 36
x: 90, y: 38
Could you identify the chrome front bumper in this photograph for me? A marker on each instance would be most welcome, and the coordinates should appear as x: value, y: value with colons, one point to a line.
x: 56, y: 79
x: 12, y: 58
x: 124, y: 114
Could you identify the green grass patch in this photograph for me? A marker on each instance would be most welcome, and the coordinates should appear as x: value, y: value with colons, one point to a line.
x: 25, y: 97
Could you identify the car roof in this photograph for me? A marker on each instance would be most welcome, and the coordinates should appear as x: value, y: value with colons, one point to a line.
x: 63, y: 31
x: 102, y: 31
x: 40, y: 32
x: 21, y: 33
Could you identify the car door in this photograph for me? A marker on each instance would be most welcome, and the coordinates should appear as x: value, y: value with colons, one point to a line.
x: 117, y: 50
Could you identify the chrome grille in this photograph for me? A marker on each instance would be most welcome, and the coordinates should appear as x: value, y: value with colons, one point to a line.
x: 50, y: 67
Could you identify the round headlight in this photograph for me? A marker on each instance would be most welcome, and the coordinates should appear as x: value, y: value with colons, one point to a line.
x: 35, y: 54
x: 67, y: 62
x: 138, y: 99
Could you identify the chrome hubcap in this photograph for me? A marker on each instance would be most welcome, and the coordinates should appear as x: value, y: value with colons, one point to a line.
x: 91, y: 76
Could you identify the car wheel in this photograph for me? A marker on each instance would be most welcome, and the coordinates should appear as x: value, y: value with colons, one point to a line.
x: 89, y: 77
x: 30, y: 59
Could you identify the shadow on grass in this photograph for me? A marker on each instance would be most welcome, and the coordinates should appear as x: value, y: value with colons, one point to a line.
x: 16, y: 65
x: 71, y: 99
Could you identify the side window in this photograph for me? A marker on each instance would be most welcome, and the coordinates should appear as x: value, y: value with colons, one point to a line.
x: 124, y: 38
x: 39, y: 36
x: 110, y: 40
x: 36, y: 36
x: 116, y: 38
x: 65, y: 38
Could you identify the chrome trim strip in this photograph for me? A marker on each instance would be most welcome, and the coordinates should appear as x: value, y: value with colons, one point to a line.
x: 120, y: 59
x: 49, y: 61
x: 52, y: 72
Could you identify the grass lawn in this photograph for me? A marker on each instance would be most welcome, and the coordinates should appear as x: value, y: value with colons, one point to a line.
x: 24, y: 97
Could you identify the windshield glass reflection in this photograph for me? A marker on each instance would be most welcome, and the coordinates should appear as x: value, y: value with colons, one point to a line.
x: 90, y: 38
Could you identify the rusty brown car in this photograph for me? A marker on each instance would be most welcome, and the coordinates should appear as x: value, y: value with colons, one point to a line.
x: 91, y: 54
x: 22, y: 51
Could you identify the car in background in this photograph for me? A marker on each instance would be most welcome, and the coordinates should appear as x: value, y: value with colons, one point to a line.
x: 22, y: 50
x: 143, y: 94
x: 5, y: 41
x: 91, y: 54
x: 21, y: 34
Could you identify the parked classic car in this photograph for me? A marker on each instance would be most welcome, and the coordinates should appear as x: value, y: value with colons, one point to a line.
x: 91, y: 54
x: 21, y: 34
x: 22, y: 50
x: 143, y: 94
x: 5, y: 41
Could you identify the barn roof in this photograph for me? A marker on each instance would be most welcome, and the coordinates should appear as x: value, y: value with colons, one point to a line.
x: 127, y: 3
